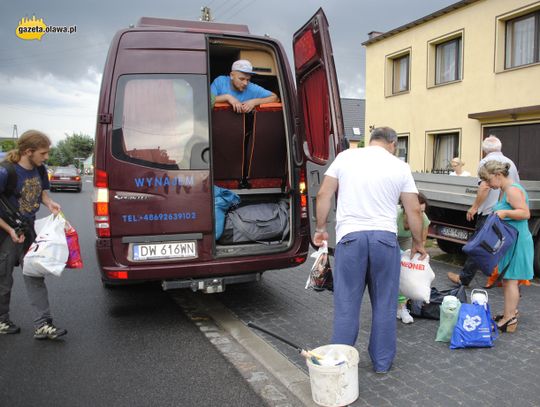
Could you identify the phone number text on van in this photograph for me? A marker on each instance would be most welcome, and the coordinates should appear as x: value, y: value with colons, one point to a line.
x: 153, y: 217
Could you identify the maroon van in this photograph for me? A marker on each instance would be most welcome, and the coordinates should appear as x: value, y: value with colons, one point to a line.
x: 161, y: 147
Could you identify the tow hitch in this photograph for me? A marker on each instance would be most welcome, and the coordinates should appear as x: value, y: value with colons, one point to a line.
x: 209, y: 285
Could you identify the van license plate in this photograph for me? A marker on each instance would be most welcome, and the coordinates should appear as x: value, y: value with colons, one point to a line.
x: 453, y: 232
x: 170, y: 250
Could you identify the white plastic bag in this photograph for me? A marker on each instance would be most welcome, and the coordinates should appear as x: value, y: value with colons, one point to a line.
x: 415, y: 277
x: 49, y: 252
x: 320, y: 276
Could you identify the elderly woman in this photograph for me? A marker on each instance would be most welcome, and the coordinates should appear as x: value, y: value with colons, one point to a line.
x: 513, y: 208
x: 457, y: 167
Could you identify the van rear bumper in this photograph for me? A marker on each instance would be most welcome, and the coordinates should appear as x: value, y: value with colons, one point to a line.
x: 111, y: 271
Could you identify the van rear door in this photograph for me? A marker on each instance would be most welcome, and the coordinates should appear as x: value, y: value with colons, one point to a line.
x: 320, y: 106
x: 160, y: 196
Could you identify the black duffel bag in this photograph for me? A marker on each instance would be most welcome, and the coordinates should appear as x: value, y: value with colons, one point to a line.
x: 261, y: 222
x: 421, y: 309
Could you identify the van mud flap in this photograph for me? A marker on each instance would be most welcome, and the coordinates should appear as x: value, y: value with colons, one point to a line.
x: 209, y: 285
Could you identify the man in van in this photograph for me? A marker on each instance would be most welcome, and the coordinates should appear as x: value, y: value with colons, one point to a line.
x: 237, y: 89
x: 367, y: 250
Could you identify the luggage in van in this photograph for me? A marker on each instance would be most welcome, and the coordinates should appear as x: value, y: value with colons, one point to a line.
x: 256, y: 223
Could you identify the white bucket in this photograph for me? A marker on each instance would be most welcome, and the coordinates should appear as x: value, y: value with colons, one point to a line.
x: 334, y: 385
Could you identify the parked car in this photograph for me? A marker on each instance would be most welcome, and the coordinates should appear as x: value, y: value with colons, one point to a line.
x: 66, y: 178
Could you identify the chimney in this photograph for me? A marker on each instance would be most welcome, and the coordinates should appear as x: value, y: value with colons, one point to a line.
x: 374, y: 34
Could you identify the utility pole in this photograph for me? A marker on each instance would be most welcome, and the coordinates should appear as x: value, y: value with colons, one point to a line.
x: 206, y: 14
x: 15, y: 133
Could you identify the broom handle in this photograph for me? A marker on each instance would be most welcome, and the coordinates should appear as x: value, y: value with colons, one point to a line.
x: 252, y: 325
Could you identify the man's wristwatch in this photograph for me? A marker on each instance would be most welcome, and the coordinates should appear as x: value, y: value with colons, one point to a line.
x: 317, y: 230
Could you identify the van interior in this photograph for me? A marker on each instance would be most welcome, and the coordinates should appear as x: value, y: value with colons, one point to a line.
x: 250, y: 153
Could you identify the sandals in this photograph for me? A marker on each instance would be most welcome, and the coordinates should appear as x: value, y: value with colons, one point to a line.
x: 509, y: 326
x: 500, y: 316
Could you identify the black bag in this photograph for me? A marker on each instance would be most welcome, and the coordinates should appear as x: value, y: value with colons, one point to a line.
x: 256, y: 223
x: 421, y: 309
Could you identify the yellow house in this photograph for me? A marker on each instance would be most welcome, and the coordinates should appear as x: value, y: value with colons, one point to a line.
x: 447, y: 80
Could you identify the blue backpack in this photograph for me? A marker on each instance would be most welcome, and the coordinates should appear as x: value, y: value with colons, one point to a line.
x: 490, y: 244
x: 474, y: 327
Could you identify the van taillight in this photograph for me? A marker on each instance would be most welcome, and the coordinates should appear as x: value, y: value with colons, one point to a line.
x: 101, y: 204
x: 100, y: 179
x: 302, y: 188
x: 122, y: 275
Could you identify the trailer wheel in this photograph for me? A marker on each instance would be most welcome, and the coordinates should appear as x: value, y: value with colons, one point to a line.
x: 449, y: 247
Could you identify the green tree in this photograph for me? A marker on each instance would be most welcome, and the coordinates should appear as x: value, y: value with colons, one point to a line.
x: 72, y: 148
x: 7, y: 145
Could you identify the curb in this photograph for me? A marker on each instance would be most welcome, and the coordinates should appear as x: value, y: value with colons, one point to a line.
x: 261, y: 363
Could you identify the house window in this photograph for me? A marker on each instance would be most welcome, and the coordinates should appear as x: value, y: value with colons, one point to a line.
x: 400, y: 77
x: 397, y: 72
x: 448, y: 61
x: 402, y: 151
x: 522, y: 40
x: 445, y: 147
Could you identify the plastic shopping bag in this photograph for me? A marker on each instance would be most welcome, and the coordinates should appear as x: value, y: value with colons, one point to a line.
x: 49, y: 251
x: 74, y: 260
x: 449, y: 314
x: 474, y: 328
x: 415, y: 277
x: 320, y: 277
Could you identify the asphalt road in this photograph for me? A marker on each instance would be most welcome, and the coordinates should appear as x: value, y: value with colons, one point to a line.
x: 125, y: 347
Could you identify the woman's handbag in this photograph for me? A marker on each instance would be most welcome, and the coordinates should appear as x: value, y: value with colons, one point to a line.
x: 490, y: 243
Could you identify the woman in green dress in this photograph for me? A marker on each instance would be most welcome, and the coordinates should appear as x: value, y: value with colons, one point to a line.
x: 513, y: 208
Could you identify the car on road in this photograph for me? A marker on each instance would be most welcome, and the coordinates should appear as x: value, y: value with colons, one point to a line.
x: 66, y: 178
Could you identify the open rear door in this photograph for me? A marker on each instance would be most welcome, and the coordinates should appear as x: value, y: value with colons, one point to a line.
x: 320, y: 107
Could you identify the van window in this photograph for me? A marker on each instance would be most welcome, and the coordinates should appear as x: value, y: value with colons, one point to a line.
x: 161, y: 121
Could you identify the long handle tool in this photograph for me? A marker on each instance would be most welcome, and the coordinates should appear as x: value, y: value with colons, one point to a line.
x: 305, y: 353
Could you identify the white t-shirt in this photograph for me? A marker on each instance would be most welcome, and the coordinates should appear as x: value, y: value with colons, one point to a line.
x: 370, y: 181
x: 493, y: 196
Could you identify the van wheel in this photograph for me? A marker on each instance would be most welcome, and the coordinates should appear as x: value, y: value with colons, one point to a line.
x: 449, y: 247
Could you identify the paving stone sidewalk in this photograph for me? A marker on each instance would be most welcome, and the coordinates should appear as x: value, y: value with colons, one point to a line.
x: 425, y: 372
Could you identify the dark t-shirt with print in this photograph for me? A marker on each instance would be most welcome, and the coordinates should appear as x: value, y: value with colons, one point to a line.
x: 30, y: 184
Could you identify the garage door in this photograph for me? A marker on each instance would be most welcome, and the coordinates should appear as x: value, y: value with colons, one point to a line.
x: 521, y: 144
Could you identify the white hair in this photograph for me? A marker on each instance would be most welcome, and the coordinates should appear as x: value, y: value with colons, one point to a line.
x: 491, y: 144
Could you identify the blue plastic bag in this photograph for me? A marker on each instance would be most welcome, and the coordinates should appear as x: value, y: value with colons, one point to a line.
x: 490, y: 243
x: 223, y: 200
x: 474, y: 327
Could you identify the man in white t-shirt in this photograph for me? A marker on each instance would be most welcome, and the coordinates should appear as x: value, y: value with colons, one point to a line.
x: 371, y: 181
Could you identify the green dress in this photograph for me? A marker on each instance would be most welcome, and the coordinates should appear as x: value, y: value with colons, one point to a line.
x: 521, y: 264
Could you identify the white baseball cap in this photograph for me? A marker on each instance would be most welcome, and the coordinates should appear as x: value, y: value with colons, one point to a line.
x: 242, y: 65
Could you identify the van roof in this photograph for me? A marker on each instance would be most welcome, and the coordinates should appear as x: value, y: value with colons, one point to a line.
x: 195, y: 26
